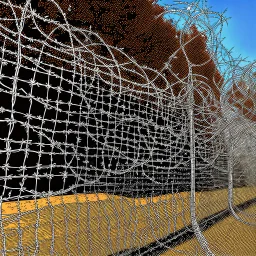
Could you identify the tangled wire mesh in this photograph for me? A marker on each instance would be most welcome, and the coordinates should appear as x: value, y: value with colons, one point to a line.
x: 74, y: 120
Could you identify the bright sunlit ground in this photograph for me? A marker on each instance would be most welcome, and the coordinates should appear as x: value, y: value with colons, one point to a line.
x: 101, y: 224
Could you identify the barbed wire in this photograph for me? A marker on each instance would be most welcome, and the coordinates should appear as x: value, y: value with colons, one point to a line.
x: 82, y: 123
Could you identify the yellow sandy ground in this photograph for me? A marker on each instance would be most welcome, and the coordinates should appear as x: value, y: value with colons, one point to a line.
x: 228, y: 237
x: 101, y: 224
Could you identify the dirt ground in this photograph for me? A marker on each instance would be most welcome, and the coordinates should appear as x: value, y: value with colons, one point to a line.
x: 102, y: 224
x: 228, y: 237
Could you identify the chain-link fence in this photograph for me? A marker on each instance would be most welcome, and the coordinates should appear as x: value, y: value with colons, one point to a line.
x: 76, y: 121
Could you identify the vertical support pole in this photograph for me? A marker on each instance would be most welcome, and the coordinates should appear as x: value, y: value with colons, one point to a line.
x: 199, y: 235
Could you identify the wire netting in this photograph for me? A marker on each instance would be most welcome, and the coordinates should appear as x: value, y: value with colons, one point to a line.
x: 75, y: 121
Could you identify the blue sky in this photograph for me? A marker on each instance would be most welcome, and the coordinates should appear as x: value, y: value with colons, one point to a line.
x: 240, y: 32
